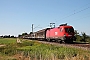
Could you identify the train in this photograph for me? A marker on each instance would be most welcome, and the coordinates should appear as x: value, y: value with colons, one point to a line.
x: 63, y: 33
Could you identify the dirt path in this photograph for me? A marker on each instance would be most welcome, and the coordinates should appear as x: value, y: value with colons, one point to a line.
x: 2, y: 45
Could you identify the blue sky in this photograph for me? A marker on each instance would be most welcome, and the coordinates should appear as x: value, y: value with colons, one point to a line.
x: 16, y: 16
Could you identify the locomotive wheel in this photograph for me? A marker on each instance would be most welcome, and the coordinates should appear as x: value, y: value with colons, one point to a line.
x: 63, y: 41
x: 59, y: 41
x: 70, y: 41
x: 49, y: 40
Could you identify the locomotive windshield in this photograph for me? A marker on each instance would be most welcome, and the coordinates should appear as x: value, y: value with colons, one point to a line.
x: 69, y: 30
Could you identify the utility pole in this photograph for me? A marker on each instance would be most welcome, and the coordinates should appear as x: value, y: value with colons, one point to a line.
x: 52, y: 25
x: 32, y: 28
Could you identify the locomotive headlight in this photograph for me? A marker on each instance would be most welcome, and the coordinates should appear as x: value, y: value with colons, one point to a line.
x: 69, y: 35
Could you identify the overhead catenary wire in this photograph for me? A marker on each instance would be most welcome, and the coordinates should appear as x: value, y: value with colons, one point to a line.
x: 76, y: 12
x: 83, y: 17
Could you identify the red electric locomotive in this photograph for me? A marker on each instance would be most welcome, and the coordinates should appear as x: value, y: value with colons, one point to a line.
x: 63, y: 33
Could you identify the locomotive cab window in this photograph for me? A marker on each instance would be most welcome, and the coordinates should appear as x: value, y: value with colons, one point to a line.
x: 61, y: 29
x: 69, y: 30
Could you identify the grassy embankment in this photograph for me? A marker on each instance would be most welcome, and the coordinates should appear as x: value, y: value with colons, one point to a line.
x: 38, y: 51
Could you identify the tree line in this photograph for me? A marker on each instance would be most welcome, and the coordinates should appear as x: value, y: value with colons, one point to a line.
x: 7, y: 36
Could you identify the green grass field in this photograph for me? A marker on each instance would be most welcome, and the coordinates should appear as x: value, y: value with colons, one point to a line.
x: 7, y: 40
x: 39, y: 51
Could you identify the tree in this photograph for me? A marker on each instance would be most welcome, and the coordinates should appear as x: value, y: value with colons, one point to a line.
x: 19, y: 36
x: 12, y: 37
x: 84, y: 36
x: 31, y: 32
x: 24, y: 34
x: 76, y: 33
x: 7, y: 36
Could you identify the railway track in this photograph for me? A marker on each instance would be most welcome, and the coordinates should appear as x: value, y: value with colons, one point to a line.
x: 85, y: 46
